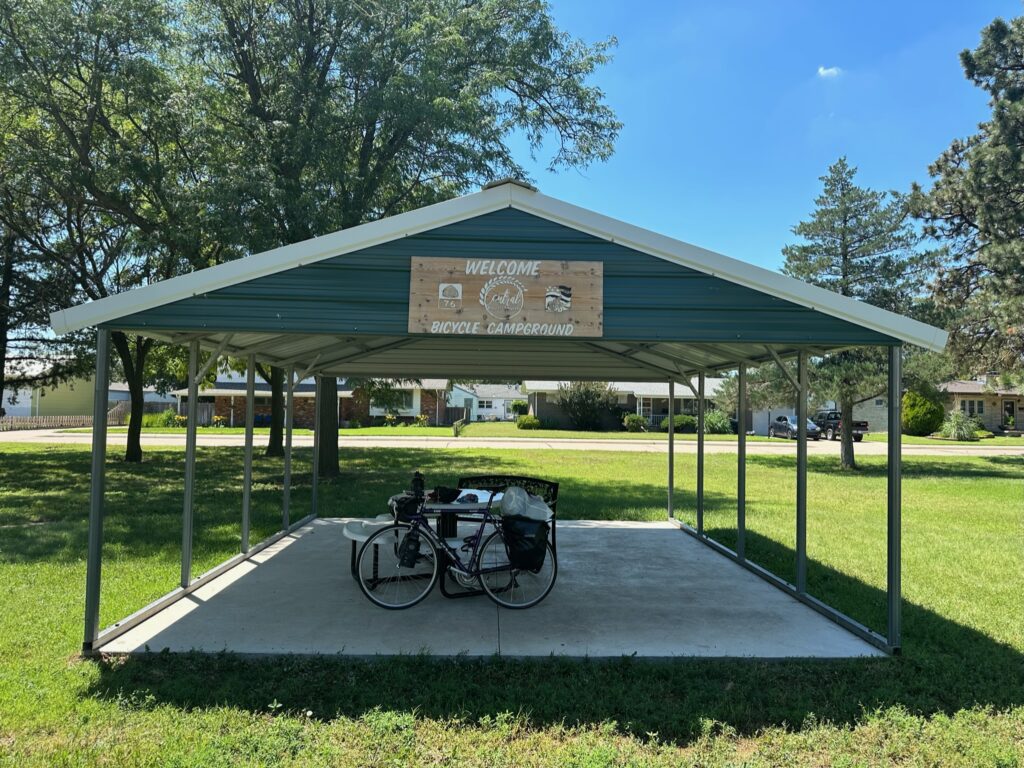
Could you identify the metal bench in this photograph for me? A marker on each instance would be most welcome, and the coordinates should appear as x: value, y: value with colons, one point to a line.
x: 498, y: 483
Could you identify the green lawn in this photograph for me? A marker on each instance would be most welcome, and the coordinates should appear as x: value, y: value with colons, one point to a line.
x: 998, y: 440
x: 507, y: 429
x: 956, y: 697
x: 503, y: 429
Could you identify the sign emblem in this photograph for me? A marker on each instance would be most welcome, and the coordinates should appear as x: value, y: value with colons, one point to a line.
x: 502, y: 297
x: 558, y: 298
x: 449, y: 295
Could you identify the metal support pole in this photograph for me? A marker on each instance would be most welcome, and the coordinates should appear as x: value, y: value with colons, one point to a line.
x: 700, y: 452
x: 250, y: 418
x: 741, y: 465
x: 801, y: 474
x: 894, y: 527
x: 98, y: 477
x: 316, y: 444
x: 671, y: 446
x: 190, y: 462
x: 289, y: 421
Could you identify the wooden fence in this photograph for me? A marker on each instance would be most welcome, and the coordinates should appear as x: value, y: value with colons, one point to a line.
x: 12, y: 423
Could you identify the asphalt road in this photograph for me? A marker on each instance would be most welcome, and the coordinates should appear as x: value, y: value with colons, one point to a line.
x: 822, y: 447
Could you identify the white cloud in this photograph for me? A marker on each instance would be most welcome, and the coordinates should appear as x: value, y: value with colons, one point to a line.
x: 829, y: 72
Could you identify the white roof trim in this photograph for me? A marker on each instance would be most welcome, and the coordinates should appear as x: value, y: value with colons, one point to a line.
x: 480, y: 203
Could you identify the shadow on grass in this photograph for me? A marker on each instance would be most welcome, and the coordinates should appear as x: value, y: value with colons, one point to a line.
x: 946, y: 667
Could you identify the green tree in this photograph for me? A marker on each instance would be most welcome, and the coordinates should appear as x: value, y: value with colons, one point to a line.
x: 110, y: 131
x: 334, y: 113
x: 974, y: 208
x: 31, y: 286
x: 586, y: 403
x: 859, y: 243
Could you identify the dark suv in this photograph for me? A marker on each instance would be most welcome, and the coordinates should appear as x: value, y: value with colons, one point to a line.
x: 785, y: 426
x: 831, y: 424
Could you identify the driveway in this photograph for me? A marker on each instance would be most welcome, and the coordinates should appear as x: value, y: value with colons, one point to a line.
x: 822, y: 447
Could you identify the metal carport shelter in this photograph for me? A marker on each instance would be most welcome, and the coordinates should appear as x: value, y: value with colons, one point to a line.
x: 349, y: 304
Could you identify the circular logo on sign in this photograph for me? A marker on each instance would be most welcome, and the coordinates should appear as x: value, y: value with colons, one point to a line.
x: 502, y: 297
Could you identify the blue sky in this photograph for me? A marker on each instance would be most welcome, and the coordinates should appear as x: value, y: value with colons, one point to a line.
x: 729, y: 123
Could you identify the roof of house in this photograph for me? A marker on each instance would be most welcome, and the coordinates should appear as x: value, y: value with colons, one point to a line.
x: 496, y: 391
x: 637, y: 388
x: 975, y: 387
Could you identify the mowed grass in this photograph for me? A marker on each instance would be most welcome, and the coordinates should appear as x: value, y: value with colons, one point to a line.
x: 508, y: 429
x: 955, y: 697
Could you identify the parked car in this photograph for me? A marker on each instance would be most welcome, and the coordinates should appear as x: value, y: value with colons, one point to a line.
x: 784, y: 426
x: 831, y: 424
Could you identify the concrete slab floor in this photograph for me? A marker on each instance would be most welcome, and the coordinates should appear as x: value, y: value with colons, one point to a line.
x: 623, y: 588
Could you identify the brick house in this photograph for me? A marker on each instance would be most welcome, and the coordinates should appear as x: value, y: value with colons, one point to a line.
x: 227, y: 398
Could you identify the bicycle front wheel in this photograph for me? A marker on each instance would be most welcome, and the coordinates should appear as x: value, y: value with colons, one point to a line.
x: 397, y: 567
x: 512, y: 587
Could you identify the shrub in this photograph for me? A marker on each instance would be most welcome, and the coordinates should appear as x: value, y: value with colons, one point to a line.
x: 921, y: 416
x: 390, y: 419
x: 586, y: 403
x: 959, y: 426
x: 527, y: 422
x: 684, y: 423
x: 220, y: 421
x: 355, y: 424
x: 180, y: 421
x: 634, y: 422
x: 717, y: 422
x: 163, y: 419
x: 422, y: 420
x: 520, y: 407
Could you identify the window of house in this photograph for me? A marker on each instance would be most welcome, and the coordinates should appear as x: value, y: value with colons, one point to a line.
x: 404, y: 403
x: 487, y: 404
x: 981, y: 407
x: 879, y: 401
x: 265, y: 401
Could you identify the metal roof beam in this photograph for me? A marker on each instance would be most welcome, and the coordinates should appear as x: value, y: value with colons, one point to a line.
x: 669, y: 374
x: 782, y: 367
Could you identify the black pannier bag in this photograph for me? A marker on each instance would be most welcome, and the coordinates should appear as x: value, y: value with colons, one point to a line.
x: 526, y: 542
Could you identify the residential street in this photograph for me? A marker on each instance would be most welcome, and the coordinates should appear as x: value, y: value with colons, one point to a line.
x: 822, y: 447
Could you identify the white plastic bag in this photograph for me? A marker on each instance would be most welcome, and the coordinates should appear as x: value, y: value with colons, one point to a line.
x: 517, y: 501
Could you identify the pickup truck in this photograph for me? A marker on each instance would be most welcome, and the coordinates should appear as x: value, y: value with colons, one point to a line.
x: 831, y: 425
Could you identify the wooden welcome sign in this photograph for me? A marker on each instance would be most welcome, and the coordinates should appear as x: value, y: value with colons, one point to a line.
x: 506, y: 297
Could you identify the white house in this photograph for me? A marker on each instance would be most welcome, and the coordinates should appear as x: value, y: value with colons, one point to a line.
x: 494, y: 401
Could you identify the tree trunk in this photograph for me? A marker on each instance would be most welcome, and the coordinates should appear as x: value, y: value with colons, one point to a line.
x: 846, y: 457
x: 133, y: 362
x: 133, y: 452
x: 275, y: 446
x: 327, y: 426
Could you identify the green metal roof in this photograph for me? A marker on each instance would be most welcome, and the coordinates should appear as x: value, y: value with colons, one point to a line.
x: 347, y: 313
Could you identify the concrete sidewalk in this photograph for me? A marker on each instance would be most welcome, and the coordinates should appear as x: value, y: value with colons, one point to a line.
x: 774, y: 447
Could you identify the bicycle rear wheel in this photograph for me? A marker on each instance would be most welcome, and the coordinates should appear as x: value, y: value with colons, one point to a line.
x: 397, y: 567
x: 511, y: 587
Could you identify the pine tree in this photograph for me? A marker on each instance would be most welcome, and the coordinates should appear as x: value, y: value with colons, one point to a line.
x: 859, y: 243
